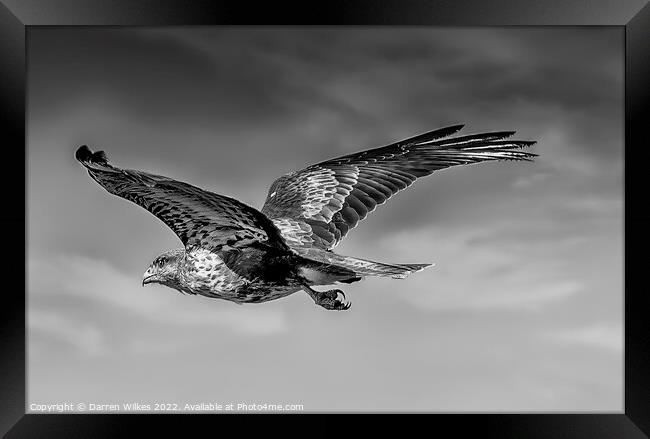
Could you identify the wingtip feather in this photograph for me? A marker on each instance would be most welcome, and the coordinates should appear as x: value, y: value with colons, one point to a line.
x: 431, y: 136
x: 85, y: 155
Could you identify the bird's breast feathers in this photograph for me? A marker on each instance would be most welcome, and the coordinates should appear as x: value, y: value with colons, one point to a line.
x: 205, y: 273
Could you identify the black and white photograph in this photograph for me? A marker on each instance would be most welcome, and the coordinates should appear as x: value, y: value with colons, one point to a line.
x: 325, y: 219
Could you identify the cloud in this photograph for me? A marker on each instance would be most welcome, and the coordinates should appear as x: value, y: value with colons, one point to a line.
x: 532, y: 179
x: 604, y: 336
x: 119, y: 293
x: 474, y: 276
x: 82, y: 337
x: 597, y: 205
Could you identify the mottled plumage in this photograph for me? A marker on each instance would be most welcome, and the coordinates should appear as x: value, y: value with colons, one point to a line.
x: 234, y: 252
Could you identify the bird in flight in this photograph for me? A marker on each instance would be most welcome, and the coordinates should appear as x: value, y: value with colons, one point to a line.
x: 235, y: 252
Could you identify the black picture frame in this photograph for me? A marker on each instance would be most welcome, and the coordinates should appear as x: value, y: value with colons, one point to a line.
x: 16, y: 16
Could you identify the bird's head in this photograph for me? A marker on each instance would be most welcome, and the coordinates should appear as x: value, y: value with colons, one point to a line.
x: 164, y: 269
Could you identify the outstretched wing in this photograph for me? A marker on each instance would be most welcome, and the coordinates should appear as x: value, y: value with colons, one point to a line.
x: 318, y: 205
x: 198, y: 217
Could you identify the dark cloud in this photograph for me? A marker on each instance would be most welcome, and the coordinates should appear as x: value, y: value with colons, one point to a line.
x: 154, y: 76
x: 251, y: 79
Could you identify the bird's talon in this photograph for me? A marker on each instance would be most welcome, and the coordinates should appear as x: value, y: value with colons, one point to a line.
x: 333, y: 300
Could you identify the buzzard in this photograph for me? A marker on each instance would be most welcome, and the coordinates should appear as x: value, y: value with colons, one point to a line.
x: 238, y: 253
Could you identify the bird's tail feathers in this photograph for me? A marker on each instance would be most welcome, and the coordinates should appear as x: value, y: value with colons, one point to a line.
x: 403, y: 270
x: 396, y: 271
x: 363, y: 267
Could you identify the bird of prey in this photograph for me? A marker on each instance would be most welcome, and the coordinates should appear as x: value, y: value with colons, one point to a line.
x: 235, y: 252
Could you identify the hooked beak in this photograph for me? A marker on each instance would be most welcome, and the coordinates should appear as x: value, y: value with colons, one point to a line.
x: 147, y: 280
x: 148, y: 277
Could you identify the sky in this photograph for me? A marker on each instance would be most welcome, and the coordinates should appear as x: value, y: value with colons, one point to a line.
x: 522, y: 311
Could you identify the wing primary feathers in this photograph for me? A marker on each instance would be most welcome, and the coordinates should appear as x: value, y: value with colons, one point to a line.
x: 432, y: 135
x: 85, y: 155
x: 497, y: 135
x: 365, y: 179
x: 198, y: 217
